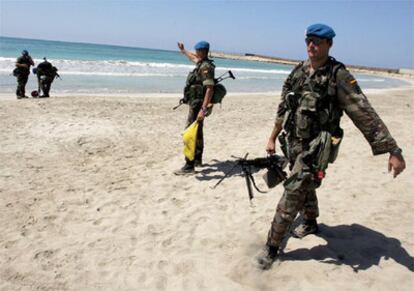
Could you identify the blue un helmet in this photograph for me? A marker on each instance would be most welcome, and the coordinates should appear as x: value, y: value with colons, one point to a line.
x: 202, y: 45
x: 25, y: 53
x: 320, y: 30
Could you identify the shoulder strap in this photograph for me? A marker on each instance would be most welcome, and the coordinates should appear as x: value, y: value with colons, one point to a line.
x: 335, y: 68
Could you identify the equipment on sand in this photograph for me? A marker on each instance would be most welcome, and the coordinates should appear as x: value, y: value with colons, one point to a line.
x: 34, y: 93
x: 274, y: 175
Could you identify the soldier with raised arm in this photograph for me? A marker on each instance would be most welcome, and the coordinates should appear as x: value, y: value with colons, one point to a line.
x: 198, y: 91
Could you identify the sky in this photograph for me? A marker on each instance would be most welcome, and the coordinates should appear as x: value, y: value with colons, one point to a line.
x: 370, y: 33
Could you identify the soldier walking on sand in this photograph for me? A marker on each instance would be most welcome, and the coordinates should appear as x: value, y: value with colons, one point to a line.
x: 314, y: 97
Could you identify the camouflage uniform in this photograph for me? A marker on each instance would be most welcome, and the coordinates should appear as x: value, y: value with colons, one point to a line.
x: 22, y: 74
x: 198, y: 79
x: 310, y: 116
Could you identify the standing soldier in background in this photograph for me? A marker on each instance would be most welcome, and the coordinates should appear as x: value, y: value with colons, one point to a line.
x: 198, y: 91
x: 314, y: 97
x: 46, y: 73
x: 22, y: 72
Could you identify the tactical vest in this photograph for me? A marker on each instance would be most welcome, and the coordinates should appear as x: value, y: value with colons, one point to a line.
x: 311, y: 104
x: 194, y: 89
x: 312, y: 118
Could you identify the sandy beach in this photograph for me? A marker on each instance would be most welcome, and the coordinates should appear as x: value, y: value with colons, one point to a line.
x: 89, y: 201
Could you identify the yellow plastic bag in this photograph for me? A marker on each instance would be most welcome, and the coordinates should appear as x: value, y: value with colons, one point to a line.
x: 189, y: 139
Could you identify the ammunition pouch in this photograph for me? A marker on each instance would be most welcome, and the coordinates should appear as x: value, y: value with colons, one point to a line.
x: 322, y: 151
x: 306, y: 116
x: 284, y: 145
x: 291, y: 106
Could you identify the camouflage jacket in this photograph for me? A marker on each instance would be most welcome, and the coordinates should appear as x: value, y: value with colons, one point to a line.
x: 205, y: 72
x: 343, y: 94
x: 201, y: 76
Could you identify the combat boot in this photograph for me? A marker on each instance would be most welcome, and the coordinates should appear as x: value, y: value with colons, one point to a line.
x: 198, y: 163
x: 266, y: 261
x: 305, y: 228
x: 188, y: 169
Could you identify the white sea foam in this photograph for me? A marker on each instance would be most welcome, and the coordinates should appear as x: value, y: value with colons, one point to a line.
x: 132, y: 68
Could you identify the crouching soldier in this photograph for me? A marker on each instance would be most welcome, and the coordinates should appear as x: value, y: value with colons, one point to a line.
x: 46, y: 73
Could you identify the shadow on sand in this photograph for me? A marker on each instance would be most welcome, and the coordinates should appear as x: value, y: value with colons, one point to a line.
x: 353, y: 245
x: 216, y: 170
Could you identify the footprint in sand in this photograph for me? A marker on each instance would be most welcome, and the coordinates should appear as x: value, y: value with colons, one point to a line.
x: 154, y: 230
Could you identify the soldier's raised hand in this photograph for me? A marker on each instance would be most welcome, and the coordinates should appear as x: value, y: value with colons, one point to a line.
x: 180, y: 46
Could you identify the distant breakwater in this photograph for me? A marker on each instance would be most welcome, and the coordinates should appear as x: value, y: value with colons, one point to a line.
x: 263, y: 58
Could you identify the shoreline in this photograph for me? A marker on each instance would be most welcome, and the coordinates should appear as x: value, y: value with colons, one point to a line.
x: 10, y: 95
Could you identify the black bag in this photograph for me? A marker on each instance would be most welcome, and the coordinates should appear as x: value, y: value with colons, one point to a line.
x: 219, y: 93
x: 16, y: 72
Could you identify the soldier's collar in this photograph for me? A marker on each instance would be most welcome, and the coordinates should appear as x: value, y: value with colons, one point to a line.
x: 307, y: 66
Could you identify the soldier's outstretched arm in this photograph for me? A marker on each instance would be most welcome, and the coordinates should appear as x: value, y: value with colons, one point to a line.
x: 357, y: 107
x: 191, y: 56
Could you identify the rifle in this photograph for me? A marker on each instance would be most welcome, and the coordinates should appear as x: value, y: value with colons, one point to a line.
x: 275, y: 174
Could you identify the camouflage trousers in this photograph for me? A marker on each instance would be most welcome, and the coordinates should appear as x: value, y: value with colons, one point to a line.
x: 44, y: 85
x: 192, y: 116
x: 299, y: 196
x: 21, y: 85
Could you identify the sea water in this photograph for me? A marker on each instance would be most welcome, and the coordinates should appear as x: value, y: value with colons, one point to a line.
x: 107, y: 69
